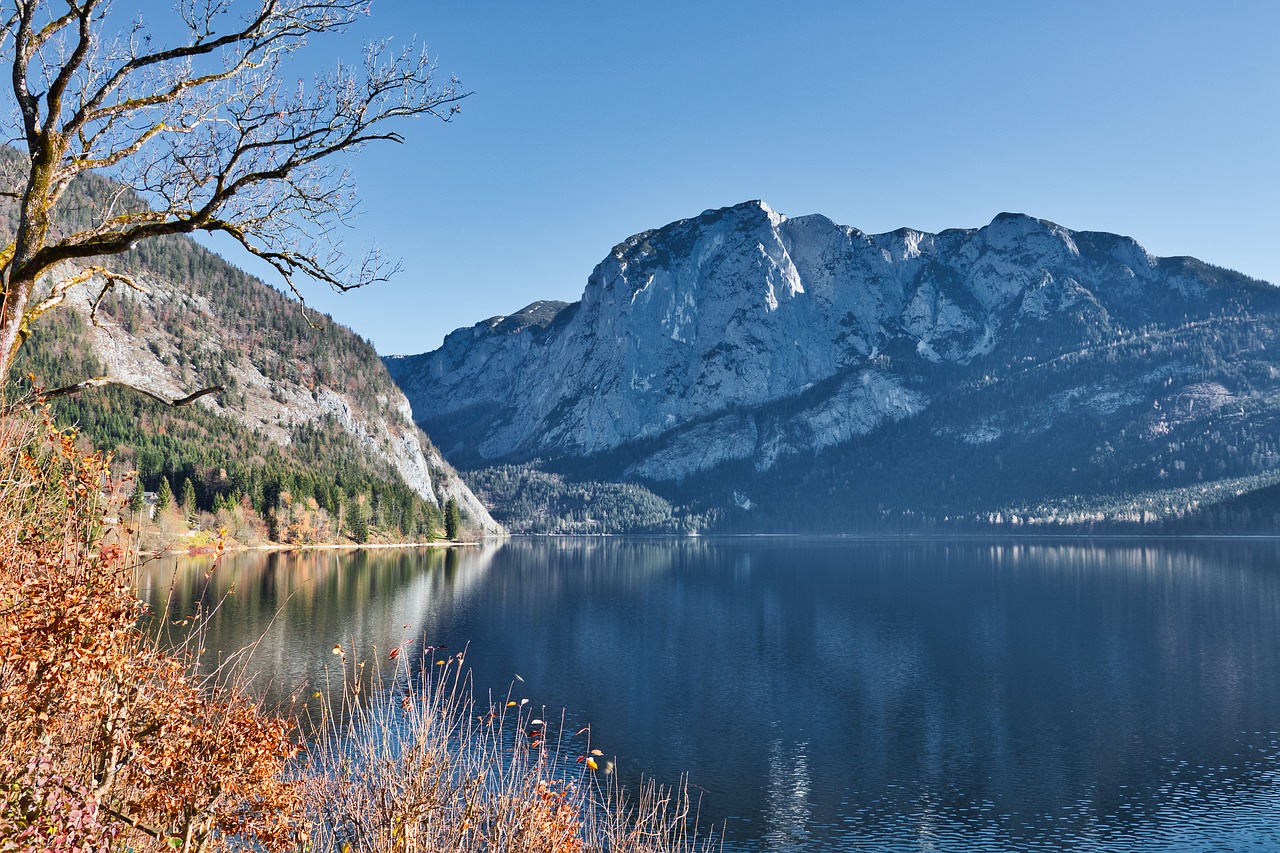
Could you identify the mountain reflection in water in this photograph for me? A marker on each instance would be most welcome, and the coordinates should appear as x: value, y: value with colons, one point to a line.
x: 842, y: 694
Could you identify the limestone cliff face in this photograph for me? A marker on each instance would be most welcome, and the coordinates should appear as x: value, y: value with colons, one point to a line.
x: 741, y: 334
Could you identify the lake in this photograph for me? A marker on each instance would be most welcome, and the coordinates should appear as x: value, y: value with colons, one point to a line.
x: 841, y: 694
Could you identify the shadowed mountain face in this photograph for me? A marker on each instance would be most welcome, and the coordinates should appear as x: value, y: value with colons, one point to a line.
x: 740, y: 353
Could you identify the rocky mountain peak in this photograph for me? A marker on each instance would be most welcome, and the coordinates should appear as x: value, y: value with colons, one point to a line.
x: 742, y: 335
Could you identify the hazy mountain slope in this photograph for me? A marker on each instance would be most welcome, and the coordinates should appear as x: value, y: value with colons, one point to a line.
x: 304, y: 393
x: 794, y: 372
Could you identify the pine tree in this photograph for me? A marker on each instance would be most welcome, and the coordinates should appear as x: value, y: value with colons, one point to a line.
x: 187, y: 496
x: 434, y: 521
x: 452, y: 520
x: 164, y: 495
x: 408, y: 518
x: 137, y: 500
x: 358, y: 520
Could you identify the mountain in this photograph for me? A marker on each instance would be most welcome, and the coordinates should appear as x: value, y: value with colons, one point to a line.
x: 759, y: 372
x: 309, y: 411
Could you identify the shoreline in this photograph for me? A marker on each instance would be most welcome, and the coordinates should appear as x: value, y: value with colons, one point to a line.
x: 209, y: 551
x: 1021, y: 536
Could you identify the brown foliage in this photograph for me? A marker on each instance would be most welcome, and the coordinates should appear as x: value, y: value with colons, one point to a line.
x: 550, y: 820
x: 103, y: 735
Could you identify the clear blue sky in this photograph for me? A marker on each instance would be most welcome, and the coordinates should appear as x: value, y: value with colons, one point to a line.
x: 594, y: 120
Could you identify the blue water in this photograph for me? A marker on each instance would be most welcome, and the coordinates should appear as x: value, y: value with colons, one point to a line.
x: 890, y: 695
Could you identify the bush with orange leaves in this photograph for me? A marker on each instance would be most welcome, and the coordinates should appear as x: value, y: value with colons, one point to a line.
x: 106, y: 740
x: 549, y: 820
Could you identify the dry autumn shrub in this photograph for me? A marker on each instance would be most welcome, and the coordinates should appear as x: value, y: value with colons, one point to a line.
x: 106, y: 740
x: 418, y: 767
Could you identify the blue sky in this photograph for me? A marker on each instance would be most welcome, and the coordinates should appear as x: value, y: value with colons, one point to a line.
x: 592, y: 121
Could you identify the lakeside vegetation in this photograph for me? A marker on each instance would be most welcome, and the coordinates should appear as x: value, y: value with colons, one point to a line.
x: 109, y: 742
x: 112, y: 740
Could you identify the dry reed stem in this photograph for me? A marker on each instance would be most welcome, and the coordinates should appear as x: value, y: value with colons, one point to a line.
x: 418, y: 767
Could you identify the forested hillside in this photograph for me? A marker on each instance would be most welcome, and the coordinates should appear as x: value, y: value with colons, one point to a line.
x: 310, y: 432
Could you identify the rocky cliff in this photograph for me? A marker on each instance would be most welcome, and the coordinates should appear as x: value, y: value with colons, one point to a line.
x: 301, y: 389
x: 715, y: 350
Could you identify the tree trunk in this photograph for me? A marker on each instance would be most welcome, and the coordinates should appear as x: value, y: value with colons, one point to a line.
x: 15, y: 302
x: 35, y: 212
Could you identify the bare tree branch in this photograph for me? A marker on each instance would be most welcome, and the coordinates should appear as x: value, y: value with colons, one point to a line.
x: 209, y: 134
x: 35, y: 398
x: 112, y: 279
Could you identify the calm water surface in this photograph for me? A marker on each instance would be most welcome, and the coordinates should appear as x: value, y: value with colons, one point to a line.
x: 841, y: 694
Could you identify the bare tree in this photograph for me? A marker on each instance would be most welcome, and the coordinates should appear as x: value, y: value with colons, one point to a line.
x: 207, y: 132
